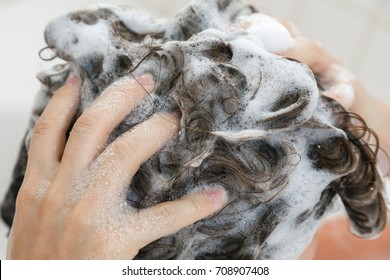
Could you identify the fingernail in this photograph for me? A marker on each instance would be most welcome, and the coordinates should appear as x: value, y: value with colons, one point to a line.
x: 146, y: 80
x: 177, y: 113
x: 73, y: 80
x: 217, y: 196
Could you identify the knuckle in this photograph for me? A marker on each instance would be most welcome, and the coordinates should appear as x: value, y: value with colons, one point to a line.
x: 47, y: 206
x: 50, y: 206
x: 24, y: 199
x: 166, y: 211
x: 124, y: 149
x: 85, y: 124
x: 28, y: 199
x: 34, y: 199
x: 196, y: 205
x: 41, y: 128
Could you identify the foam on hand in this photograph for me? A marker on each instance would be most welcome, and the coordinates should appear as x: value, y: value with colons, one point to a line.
x: 267, y: 31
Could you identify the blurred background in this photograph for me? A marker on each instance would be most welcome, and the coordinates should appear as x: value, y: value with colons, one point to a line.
x: 356, y: 31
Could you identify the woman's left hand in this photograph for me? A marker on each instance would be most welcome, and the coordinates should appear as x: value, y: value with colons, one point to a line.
x: 72, y: 204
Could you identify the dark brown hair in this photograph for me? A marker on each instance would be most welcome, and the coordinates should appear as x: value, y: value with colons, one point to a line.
x: 303, y: 134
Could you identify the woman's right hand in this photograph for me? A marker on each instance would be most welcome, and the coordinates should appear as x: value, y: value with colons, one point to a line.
x: 340, y: 84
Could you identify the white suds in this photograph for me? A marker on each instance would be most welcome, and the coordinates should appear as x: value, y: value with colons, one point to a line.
x: 267, y: 31
x: 215, y: 61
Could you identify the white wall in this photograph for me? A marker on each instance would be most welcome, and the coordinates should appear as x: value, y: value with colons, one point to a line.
x: 357, y: 31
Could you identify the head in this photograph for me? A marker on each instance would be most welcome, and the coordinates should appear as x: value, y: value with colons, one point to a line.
x: 253, y: 123
x: 256, y: 125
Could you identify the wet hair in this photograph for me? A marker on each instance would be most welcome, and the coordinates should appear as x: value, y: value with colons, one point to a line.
x: 285, y: 154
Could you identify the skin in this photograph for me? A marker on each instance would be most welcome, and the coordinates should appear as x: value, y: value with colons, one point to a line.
x: 333, y: 240
x: 48, y: 225
x: 373, y: 110
x: 63, y: 210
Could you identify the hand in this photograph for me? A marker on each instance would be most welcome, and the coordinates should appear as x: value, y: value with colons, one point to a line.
x: 340, y: 84
x: 337, y: 81
x: 72, y: 204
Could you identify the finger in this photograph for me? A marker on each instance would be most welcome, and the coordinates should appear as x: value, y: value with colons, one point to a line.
x: 115, y: 167
x: 169, y: 217
x: 90, y: 132
x: 312, y: 54
x: 305, y: 50
x: 308, y: 51
x: 343, y: 93
x: 291, y: 27
x: 48, y: 135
